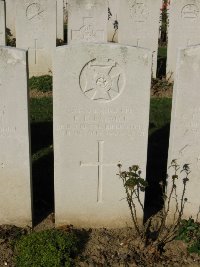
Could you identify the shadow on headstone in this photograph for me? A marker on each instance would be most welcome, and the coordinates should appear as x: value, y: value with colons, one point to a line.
x: 42, y: 171
x: 156, y: 170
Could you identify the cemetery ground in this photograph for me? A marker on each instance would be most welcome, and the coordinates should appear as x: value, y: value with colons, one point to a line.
x: 93, y: 247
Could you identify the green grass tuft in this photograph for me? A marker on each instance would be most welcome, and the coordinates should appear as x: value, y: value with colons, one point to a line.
x: 52, y: 248
x: 42, y: 83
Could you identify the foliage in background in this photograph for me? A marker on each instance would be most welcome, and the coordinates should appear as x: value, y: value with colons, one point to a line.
x: 155, y: 233
x: 10, y: 40
x: 41, y: 109
x: 52, y: 248
x: 41, y: 83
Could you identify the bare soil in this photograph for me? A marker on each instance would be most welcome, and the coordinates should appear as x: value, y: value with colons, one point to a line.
x: 105, y: 247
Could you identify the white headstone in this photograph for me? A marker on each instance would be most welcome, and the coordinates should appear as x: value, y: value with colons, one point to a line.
x: 98, y: 121
x: 2, y: 23
x: 60, y: 19
x: 87, y: 21
x: 113, y: 11
x: 15, y: 195
x: 139, y: 25
x: 10, y: 16
x: 36, y: 31
x: 184, y: 29
x: 185, y: 125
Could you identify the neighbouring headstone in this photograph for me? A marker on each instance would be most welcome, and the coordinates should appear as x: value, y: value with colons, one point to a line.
x: 139, y: 25
x: 101, y: 117
x: 184, y: 29
x: 87, y: 21
x: 185, y: 126
x: 113, y: 24
x: 2, y: 23
x: 10, y: 16
x: 36, y: 31
x: 60, y: 19
x: 15, y: 174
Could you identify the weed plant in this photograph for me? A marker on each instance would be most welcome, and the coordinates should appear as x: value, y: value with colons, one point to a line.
x: 52, y: 248
x: 190, y: 233
x: 155, y: 233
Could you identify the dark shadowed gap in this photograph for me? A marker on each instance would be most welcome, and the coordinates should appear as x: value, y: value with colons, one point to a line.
x: 42, y: 170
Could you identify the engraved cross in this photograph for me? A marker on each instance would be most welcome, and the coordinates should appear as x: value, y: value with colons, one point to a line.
x: 35, y: 49
x: 87, y: 32
x: 100, y: 164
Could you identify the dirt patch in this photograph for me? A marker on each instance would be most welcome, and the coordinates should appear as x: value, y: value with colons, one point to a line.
x: 34, y: 93
x: 105, y: 247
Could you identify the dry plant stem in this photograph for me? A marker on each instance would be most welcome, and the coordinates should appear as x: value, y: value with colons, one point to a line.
x: 131, y: 205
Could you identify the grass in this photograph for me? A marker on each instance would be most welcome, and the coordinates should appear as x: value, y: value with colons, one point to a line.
x: 162, y: 52
x: 42, y: 83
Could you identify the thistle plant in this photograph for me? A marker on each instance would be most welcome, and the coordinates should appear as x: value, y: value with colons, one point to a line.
x: 155, y: 232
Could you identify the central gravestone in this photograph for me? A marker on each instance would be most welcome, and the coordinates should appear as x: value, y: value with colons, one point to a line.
x: 87, y: 21
x: 101, y: 114
x: 2, y: 23
x: 36, y: 31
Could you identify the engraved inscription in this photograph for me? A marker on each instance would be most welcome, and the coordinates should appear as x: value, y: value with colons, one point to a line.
x: 190, y: 11
x: 35, y: 49
x: 88, y: 32
x: 138, y: 10
x: 99, y: 164
x: 34, y: 12
x: 102, y: 80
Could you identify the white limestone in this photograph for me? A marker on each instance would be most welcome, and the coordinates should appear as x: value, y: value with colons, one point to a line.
x: 112, y: 20
x: 98, y: 121
x: 2, y: 23
x: 87, y: 21
x: 185, y: 125
x: 139, y: 25
x: 60, y: 19
x: 10, y: 16
x: 36, y: 31
x: 184, y: 29
x: 15, y: 195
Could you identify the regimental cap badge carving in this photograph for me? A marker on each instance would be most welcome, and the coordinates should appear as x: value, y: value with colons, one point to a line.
x: 102, y: 80
x: 190, y: 11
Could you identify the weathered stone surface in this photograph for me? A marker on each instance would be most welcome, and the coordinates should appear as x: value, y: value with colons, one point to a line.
x: 15, y: 195
x: 113, y: 20
x: 60, y: 19
x: 2, y: 23
x: 87, y: 21
x: 98, y: 121
x: 36, y: 31
x: 184, y: 29
x: 139, y: 25
x: 185, y: 125
x: 10, y: 16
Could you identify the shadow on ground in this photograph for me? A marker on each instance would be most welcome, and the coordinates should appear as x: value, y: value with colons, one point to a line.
x: 42, y: 172
x: 156, y: 169
x: 41, y: 135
